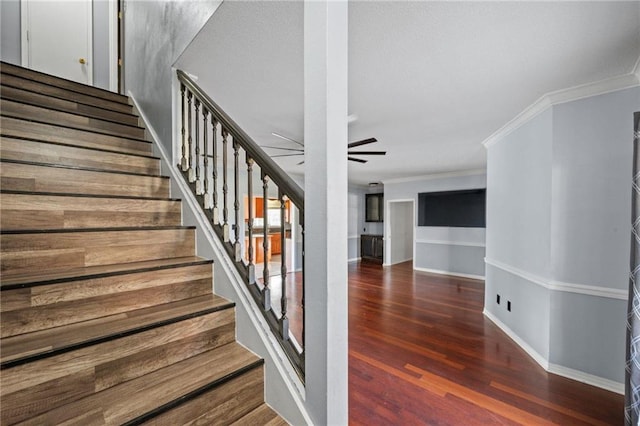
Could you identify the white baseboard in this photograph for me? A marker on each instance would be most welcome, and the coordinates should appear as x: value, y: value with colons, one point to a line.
x: 544, y: 363
x: 454, y: 274
x: 587, y: 378
x: 355, y: 259
x: 560, y: 370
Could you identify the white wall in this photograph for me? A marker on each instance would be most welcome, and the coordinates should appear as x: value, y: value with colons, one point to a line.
x: 442, y: 249
x: 558, y: 230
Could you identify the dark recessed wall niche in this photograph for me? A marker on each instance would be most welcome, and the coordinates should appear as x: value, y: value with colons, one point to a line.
x: 453, y: 208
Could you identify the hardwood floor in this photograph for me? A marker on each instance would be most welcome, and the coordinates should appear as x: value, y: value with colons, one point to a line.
x: 422, y: 353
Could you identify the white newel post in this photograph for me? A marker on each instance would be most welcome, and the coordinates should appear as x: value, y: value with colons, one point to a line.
x: 325, y: 136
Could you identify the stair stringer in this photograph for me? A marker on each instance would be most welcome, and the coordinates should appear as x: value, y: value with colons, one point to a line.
x: 284, y: 391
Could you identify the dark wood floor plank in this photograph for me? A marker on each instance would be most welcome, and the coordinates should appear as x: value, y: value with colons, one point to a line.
x: 421, y: 353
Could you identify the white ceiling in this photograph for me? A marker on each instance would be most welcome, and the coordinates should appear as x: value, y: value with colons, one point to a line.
x: 429, y: 80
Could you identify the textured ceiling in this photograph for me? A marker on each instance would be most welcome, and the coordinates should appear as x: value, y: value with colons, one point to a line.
x: 429, y: 80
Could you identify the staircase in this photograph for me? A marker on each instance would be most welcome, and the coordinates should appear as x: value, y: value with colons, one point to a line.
x: 107, y: 315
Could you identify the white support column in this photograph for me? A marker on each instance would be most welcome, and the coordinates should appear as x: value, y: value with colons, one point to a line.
x: 325, y: 136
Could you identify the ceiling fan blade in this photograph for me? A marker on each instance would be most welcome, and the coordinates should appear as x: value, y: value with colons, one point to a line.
x: 362, y: 142
x: 278, y: 135
x: 285, y: 149
x: 357, y: 160
x: 367, y: 152
x: 287, y: 155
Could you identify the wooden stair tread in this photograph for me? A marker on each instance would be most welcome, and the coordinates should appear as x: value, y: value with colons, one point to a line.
x: 23, y: 176
x: 43, y: 152
x: 62, y: 82
x: 74, y: 274
x: 87, y: 169
x: 22, y: 95
x: 263, y: 415
x: 35, y: 345
x: 63, y: 93
x: 29, y: 211
x: 53, y: 115
x: 166, y: 387
x: 71, y: 126
x: 74, y: 248
x: 25, y: 129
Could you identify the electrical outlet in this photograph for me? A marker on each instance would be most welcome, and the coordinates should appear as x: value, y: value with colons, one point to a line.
x: 509, y: 305
x: 498, y: 299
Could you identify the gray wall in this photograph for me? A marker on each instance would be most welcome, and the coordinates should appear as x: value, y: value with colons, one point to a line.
x: 157, y: 32
x: 450, y: 250
x: 558, y: 229
x: 10, y: 31
x: 11, y: 38
x: 519, y: 229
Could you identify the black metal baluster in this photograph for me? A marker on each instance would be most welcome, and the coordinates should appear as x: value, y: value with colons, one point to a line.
x: 301, y: 220
x: 183, y: 160
x: 196, y: 177
x: 250, y: 267
x: 215, y: 215
x: 225, y: 188
x: 266, y: 291
x: 236, y: 203
x: 205, y: 115
x: 284, y: 321
x: 189, y: 138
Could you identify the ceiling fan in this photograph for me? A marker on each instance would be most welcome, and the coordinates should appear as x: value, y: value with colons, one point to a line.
x: 300, y: 151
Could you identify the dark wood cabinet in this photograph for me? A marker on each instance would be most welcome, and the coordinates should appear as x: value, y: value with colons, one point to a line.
x: 371, y: 248
x: 374, y: 206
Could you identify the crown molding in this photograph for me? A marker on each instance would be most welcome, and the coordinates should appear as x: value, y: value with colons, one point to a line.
x: 566, y: 95
x: 471, y: 172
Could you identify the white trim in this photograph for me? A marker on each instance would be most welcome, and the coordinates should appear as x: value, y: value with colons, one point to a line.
x: 560, y: 370
x: 285, y: 370
x: 561, y: 96
x: 113, y: 45
x: 451, y: 243
x: 355, y: 259
x: 542, y: 282
x: 471, y: 172
x: 587, y: 378
x: 397, y: 261
x: 351, y: 237
x: 554, y: 285
x: 591, y: 290
x: 387, y: 229
x: 544, y: 363
x: 90, y: 44
x: 454, y: 274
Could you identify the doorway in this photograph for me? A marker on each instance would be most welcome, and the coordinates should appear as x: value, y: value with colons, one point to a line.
x: 57, y: 38
x: 399, y: 232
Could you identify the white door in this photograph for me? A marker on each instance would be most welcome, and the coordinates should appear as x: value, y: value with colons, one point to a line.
x: 57, y: 38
